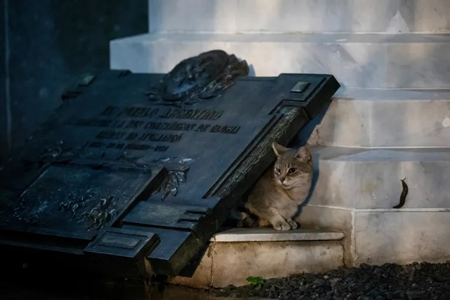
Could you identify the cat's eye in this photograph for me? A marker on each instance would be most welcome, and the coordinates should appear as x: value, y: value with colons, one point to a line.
x: 292, y: 170
x: 277, y: 170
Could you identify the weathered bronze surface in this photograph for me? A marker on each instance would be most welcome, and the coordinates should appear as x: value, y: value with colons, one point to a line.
x: 199, y: 77
x: 118, y: 173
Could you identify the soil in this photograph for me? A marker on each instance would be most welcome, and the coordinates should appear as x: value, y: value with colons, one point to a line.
x: 389, y: 281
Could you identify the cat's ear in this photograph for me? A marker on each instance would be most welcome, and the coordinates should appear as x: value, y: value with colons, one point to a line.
x: 304, y: 154
x: 278, y: 149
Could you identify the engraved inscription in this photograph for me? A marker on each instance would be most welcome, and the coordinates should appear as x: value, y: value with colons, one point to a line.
x: 92, y: 122
x: 140, y: 147
x: 202, y: 127
x: 110, y: 134
x: 139, y: 112
x: 109, y: 111
x: 133, y: 124
x: 148, y: 112
x: 170, y: 126
x: 225, y: 129
x: 192, y: 114
x: 114, y: 118
x: 155, y: 137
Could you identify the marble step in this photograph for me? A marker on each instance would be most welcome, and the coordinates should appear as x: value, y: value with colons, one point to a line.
x: 235, y: 254
x: 354, y: 191
x: 378, y: 236
x: 351, y: 178
x: 282, y: 16
x: 356, y: 60
x: 376, y: 118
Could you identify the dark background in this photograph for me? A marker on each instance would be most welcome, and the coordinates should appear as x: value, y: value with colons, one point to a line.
x: 51, y: 43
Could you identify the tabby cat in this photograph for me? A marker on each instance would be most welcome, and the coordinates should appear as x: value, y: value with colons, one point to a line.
x: 277, y: 195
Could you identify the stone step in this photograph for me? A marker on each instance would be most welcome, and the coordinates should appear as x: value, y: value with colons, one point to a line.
x: 375, y: 118
x: 356, y: 60
x: 235, y: 254
x: 354, y: 191
x: 282, y: 16
x: 352, y: 178
x: 378, y: 236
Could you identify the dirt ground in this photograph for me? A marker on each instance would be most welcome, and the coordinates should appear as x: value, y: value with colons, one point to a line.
x: 389, y: 281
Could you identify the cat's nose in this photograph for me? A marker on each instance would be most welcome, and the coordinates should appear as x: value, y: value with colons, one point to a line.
x: 282, y: 179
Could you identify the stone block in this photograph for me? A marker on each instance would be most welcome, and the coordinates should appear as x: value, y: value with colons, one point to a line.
x: 281, y: 16
x: 323, y: 218
x: 402, y: 236
x: 270, y: 235
x: 386, y: 123
x: 234, y: 262
x: 356, y: 60
x: 235, y: 254
x: 370, y: 178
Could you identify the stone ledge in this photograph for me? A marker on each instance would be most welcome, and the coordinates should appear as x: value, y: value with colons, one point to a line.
x: 370, y: 178
x: 356, y: 60
x: 390, y: 120
x: 404, y: 237
x: 242, y: 252
x: 234, y: 262
x: 349, y: 154
x: 310, y: 16
x: 391, y: 94
x: 386, y: 236
x: 271, y: 235
x: 316, y: 38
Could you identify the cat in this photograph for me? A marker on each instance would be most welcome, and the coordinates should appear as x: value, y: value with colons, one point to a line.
x: 276, y: 196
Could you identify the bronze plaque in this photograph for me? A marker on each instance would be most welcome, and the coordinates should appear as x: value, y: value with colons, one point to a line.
x: 119, y: 172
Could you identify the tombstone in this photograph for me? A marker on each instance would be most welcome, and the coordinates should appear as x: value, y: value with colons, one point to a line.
x: 119, y: 172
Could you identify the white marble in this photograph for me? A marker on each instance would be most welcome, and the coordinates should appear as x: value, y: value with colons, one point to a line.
x: 272, y: 235
x: 380, y: 236
x: 235, y: 254
x: 234, y: 262
x: 356, y: 60
x: 370, y: 178
x: 392, y: 94
x: 401, y: 237
x: 243, y: 16
x: 387, y: 123
x: 323, y: 218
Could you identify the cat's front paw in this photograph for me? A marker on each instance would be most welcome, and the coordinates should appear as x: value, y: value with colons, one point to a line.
x: 283, y: 226
x: 293, y: 224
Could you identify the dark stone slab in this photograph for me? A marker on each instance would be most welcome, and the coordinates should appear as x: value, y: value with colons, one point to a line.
x: 171, y: 215
x: 110, y: 160
x: 122, y: 242
x: 53, y: 42
x: 76, y: 201
x: 3, y: 102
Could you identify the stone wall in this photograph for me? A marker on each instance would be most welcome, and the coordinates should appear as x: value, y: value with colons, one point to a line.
x: 50, y: 43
